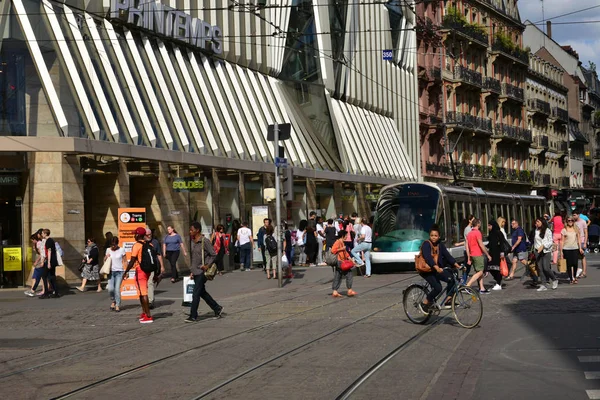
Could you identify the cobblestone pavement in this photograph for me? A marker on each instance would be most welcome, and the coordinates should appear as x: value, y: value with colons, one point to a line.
x: 298, y: 342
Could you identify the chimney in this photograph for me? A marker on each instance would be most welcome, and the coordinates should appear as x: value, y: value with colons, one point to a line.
x: 549, y: 29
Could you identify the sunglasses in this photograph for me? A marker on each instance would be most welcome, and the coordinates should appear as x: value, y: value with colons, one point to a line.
x: 569, y: 220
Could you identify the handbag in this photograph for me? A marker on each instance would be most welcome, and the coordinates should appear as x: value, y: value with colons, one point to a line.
x: 105, y: 270
x: 562, y: 265
x: 211, y: 271
x: 331, y: 259
x: 505, y: 247
x: 81, y: 266
x: 420, y: 264
x: 503, y: 267
x: 347, y: 265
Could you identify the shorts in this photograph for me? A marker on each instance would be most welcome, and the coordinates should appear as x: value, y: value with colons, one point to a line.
x: 520, y: 256
x: 38, y: 273
x: 141, y: 280
x: 477, y: 263
x: 582, y: 256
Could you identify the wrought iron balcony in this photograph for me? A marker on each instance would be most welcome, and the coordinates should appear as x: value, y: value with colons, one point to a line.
x: 542, y: 179
x: 433, y: 168
x: 513, y: 132
x: 430, y: 119
x: 563, y: 147
x: 468, y: 76
x: 493, y: 173
x: 564, y: 182
x: 492, y: 84
x: 467, y: 30
x: 513, y: 92
x: 541, y: 140
x: 560, y: 114
x: 499, y: 7
x: 539, y: 106
x: 516, y: 53
x: 469, y: 121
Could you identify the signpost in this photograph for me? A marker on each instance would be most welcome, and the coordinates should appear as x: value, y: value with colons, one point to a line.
x: 275, y: 133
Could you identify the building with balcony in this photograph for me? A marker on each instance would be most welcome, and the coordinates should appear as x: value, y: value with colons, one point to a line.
x: 479, y: 95
x: 110, y: 104
x: 546, y: 97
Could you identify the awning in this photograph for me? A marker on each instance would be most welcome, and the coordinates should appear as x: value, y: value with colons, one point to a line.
x: 370, y: 143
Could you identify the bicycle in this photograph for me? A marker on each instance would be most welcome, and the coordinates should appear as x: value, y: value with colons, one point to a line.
x: 467, y: 307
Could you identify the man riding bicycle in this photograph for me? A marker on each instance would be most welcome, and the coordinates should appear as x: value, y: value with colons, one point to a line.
x: 437, y: 257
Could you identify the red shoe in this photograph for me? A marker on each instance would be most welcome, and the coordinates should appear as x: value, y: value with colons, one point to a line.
x: 146, y: 320
x: 142, y: 316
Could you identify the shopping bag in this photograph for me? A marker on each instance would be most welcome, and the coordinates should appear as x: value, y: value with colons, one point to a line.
x: 503, y: 267
x: 562, y: 265
x: 188, y: 291
x: 106, y: 267
x: 284, y: 262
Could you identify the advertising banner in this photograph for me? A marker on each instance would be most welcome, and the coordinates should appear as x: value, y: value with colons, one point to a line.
x: 12, y: 259
x: 129, y: 220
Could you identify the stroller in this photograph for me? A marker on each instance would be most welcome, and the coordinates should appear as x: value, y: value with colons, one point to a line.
x: 594, y: 244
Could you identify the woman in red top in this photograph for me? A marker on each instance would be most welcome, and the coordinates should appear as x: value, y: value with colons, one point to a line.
x: 557, y: 226
x: 339, y: 249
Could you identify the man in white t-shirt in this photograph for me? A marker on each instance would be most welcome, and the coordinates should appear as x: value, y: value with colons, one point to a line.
x: 320, y: 240
x: 364, y: 239
x: 246, y: 242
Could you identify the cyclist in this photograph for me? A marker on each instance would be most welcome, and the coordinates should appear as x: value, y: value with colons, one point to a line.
x: 437, y: 257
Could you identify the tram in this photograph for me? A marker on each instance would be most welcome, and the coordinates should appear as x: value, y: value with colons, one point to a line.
x: 406, y: 211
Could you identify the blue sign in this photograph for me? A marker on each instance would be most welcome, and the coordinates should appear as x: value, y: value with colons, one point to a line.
x: 388, y: 55
x: 281, y: 162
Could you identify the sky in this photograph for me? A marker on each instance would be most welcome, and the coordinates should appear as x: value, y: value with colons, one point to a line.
x: 584, y: 38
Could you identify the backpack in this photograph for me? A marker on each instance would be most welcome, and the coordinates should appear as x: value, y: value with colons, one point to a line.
x: 271, y: 244
x: 149, y: 261
x: 59, y: 250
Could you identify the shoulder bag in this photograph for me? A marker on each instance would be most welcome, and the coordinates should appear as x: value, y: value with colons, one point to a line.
x: 105, y: 270
x: 420, y: 264
x: 211, y: 270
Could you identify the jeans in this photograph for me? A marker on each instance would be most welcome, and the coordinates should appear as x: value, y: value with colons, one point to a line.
x: 320, y: 250
x: 49, y: 277
x: 556, y: 240
x: 544, y: 270
x: 337, y: 278
x: 151, y: 288
x: 246, y: 255
x: 200, y: 292
x: 114, y: 286
x: 433, y: 278
x: 172, y: 256
x: 263, y: 255
x: 366, y: 248
x: 301, y: 255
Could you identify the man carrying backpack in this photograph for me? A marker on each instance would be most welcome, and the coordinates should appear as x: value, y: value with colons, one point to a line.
x: 155, y: 277
x: 271, y: 247
x: 145, y: 260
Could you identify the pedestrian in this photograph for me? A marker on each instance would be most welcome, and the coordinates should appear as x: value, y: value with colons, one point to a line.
x: 543, y: 252
x: 38, y: 265
x: 320, y: 232
x: 339, y: 249
x: 246, y: 242
x: 557, y: 227
x: 107, y: 241
x: 271, y: 250
x: 475, y: 253
x: 363, y: 246
x: 260, y: 236
x: 312, y: 220
x: 501, y: 221
x: 118, y: 263
x: 49, y: 269
x: 330, y: 235
x: 91, y: 268
x: 172, y: 246
x: 155, y: 277
x: 350, y: 234
x: 583, y: 237
x: 468, y: 227
x: 570, y: 244
x: 311, y: 245
x: 288, y: 249
x: 494, y: 239
x: 300, y: 242
x: 202, y: 255
x: 518, y: 249
x: 234, y: 244
x: 218, y: 241
x: 141, y: 276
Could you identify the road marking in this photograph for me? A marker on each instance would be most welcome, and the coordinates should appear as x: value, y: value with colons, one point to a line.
x: 593, y: 394
x: 589, y: 359
x: 592, y: 375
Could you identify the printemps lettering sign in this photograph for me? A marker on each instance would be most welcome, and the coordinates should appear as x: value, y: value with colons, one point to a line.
x: 168, y: 22
x: 188, y: 184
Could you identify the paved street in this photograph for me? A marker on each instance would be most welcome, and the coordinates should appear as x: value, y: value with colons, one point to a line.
x: 298, y: 342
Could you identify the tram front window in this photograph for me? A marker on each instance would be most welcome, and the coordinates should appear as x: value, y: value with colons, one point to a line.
x: 404, y: 217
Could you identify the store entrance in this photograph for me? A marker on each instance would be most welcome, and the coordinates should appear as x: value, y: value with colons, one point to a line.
x: 11, y: 237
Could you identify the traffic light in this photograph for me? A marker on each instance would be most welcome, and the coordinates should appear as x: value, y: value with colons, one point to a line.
x: 573, y: 205
x: 287, y: 184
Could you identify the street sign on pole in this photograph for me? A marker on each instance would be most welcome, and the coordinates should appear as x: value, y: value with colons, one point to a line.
x: 387, y: 55
x: 281, y: 162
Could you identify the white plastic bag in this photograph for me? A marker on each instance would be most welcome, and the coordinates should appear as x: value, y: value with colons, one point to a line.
x: 188, y: 291
x: 579, y: 272
x: 284, y: 262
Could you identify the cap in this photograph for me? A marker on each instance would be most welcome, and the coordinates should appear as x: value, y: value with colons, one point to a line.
x: 140, y: 231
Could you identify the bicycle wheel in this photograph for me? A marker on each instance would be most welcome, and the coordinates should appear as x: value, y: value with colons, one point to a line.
x: 467, y: 307
x: 413, y: 297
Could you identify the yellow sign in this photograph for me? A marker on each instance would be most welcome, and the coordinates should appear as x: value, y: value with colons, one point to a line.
x: 12, y: 259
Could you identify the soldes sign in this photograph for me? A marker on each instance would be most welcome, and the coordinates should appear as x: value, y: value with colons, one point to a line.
x: 188, y: 184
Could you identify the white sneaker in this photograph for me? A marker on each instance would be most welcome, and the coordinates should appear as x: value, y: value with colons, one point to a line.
x: 554, y: 284
x: 497, y: 287
x: 542, y: 288
x: 29, y: 293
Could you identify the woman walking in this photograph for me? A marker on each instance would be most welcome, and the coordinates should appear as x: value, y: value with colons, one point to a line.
x: 543, y: 253
x: 557, y: 227
x: 118, y: 262
x: 570, y: 244
x: 494, y: 239
x: 300, y: 242
x: 91, y: 269
x: 311, y: 246
x: 218, y: 242
x: 339, y: 249
x: 350, y: 234
x: 502, y: 224
x: 172, y: 246
x: 38, y: 265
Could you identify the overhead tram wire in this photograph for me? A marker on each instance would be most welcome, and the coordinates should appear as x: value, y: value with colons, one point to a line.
x: 566, y: 14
